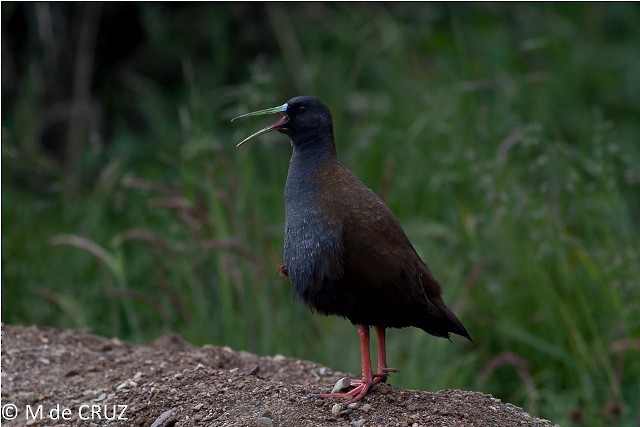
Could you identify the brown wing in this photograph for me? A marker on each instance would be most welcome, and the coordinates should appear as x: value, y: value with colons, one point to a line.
x: 379, y: 258
x: 384, y: 279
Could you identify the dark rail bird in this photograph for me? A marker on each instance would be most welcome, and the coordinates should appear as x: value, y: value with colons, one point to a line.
x: 345, y: 252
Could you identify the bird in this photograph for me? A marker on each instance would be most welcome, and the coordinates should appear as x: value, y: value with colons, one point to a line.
x: 345, y: 252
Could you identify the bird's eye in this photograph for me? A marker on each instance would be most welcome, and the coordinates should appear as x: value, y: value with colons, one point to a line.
x: 302, y: 109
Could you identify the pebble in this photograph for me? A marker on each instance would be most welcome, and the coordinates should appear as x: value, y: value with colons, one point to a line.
x: 354, y: 405
x: 27, y: 396
x: 72, y: 372
x: 126, y: 385
x: 366, y: 407
x: 358, y: 423
x: 198, y: 406
x: 264, y: 421
x: 252, y: 369
x: 341, y: 384
x: 336, y: 409
x: 162, y: 418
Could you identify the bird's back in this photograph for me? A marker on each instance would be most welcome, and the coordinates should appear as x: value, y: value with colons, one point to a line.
x: 364, y: 267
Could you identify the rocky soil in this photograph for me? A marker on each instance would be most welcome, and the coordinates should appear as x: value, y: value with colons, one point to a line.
x: 60, y: 377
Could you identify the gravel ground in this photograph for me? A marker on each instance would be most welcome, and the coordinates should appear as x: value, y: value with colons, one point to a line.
x: 57, y: 377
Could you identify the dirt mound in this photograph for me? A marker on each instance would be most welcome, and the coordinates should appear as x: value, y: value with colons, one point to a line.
x: 71, y: 377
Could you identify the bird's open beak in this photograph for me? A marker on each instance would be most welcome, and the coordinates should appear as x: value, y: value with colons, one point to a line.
x: 279, y: 125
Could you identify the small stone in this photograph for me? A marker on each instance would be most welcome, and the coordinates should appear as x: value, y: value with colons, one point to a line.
x: 198, y: 406
x: 366, y: 407
x: 279, y: 358
x: 358, y: 423
x: 44, y: 360
x: 318, y: 402
x: 336, y: 409
x: 26, y: 396
x: 100, y: 398
x: 415, y: 425
x: 354, y: 405
x: 264, y: 421
x: 71, y: 372
x: 137, y: 376
x: 341, y: 384
x: 162, y: 418
x: 413, y: 407
x: 252, y: 369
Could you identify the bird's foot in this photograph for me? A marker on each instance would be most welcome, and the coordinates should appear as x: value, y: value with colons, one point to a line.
x: 383, y: 374
x: 361, y: 389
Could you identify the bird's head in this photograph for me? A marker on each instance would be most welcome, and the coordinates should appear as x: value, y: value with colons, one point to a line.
x: 304, y: 119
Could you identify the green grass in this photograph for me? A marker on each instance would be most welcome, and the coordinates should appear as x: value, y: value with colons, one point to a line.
x: 505, y: 139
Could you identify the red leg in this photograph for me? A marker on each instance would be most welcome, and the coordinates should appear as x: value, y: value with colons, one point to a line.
x: 361, y: 386
x: 383, y: 371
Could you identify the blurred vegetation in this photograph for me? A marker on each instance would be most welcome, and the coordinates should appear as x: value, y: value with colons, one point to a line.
x: 504, y: 137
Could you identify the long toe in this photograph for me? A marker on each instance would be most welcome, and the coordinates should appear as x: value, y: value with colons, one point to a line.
x: 383, y: 375
x: 363, y: 390
x: 354, y: 392
x: 362, y: 387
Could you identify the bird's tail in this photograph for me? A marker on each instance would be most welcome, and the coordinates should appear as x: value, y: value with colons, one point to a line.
x: 443, y: 323
x: 453, y: 324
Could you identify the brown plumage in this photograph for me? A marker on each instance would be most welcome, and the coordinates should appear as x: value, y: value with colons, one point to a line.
x: 379, y: 277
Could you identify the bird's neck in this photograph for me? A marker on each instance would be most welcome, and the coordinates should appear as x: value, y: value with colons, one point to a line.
x: 310, y: 151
